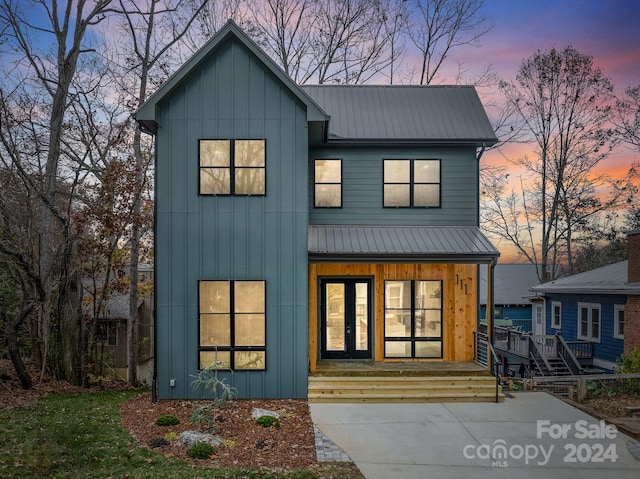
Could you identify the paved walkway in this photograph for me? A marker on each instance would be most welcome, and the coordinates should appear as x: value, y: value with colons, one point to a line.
x: 531, y: 435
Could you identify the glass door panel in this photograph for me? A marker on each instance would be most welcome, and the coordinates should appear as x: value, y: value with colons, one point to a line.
x: 345, y: 318
x: 335, y: 323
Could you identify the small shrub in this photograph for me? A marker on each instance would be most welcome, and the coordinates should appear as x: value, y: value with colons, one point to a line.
x: 287, y: 415
x: 167, y: 420
x: 171, y: 436
x: 268, y: 421
x: 207, y: 381
x: 201, y: 450
x: 629, y: 362
x: 228, y: 443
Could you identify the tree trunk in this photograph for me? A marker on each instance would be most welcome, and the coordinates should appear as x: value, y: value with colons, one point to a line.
x: 11, y: 327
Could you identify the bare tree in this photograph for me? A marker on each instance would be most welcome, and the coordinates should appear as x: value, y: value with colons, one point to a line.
x: 150, y: 33
x: 438, y: 26
x: 627, y: 117
x: 562, y: 103
x: 49, y: 67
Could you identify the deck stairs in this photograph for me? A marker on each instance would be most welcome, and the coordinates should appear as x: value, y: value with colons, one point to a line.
x: 392, y: 387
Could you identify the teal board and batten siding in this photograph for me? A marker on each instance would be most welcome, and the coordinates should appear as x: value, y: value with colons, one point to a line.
x: 231, y: 95
x: 608, y: 348
x: 362, y: 187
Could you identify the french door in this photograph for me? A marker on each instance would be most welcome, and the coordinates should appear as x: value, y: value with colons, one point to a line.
x: 345, y: 318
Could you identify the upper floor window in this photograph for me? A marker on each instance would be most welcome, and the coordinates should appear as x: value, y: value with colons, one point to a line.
x: 618, y: 321
x: 327, y: 183
x: 589, y: 321
x: 232, y: 168
x: 232, y: 318
x: 411, y: 183
x: 556, y: 314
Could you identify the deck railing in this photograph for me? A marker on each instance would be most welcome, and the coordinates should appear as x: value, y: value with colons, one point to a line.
x: 583, y: 386
x: 483, y: 352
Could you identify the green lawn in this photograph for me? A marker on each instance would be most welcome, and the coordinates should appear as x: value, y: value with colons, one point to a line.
x: 74, y: 436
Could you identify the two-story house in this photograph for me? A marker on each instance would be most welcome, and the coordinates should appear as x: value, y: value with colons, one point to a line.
x: 302, y: 224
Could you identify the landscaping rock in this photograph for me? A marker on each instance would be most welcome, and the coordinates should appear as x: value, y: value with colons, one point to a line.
x: 191, y: 438
x: 257, y: 412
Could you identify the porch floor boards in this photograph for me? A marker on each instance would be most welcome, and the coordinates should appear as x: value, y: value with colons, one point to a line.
x: 360, y: 381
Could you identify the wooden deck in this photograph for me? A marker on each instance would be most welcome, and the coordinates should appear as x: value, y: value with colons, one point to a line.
x: 413, y: 368
x: 368, y: 381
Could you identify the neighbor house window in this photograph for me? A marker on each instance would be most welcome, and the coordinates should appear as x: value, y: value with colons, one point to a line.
x: 232, y: 324
x: 327, y: 183
x: 556, y: 314
x: 107, y: 333
x: 411, y: 183
x: 232, y: 168
x: 589, y: 321
x: 618, y: 321
x: 413, y: 319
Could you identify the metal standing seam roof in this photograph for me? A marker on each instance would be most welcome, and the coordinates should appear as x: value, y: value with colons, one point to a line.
x: 512, y: 283
x: 610, y: 279
x: 394, y: 242
x: 442, y: 114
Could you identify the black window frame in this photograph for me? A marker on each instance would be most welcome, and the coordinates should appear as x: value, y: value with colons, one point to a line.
x: 412, y: 183
x: 232, y: 348
x: 413, y: 338
x: 232, y: 167
x: 106, y: 331
x: 316, y: 183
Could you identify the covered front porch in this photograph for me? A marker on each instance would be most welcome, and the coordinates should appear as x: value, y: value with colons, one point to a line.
x: 393, y: 312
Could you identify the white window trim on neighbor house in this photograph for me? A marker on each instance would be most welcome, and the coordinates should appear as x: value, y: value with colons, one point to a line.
x: 590, y: 308
x: 617, y: 310
x: 556, y: 319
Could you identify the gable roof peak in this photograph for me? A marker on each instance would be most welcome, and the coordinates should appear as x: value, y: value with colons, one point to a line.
x: 146, y: 114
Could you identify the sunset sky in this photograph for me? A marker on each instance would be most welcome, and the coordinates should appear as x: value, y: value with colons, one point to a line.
x: 609, y: 31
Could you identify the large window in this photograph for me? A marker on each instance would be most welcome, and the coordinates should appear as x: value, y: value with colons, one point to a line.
x: 589, y: 321
x: 327, y: 183
x: 232, y: 168
x: 232, y: 324
x: 411, y: 183
x: 556, y: 314
x: 413, y: 319
x: 618, y: 321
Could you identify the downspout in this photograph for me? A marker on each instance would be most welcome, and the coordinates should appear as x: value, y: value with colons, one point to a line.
x: 154, y: 380
x: 478, y: 156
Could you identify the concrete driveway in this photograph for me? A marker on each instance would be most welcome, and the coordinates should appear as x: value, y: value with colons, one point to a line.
x: 531, y: 435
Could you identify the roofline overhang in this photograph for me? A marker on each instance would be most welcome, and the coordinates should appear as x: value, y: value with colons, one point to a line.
x: 477, y: 143
x: 318, y: 257
x: 598, y: 290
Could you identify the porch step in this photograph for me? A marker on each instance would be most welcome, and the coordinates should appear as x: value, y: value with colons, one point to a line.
x: 403, y: 389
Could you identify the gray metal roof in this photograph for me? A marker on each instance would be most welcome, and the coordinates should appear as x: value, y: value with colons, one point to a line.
x: 610, y: 279
x: 512, y: 283
x: 412, y: 243
x: 435, y: 114
x: 146, y: 114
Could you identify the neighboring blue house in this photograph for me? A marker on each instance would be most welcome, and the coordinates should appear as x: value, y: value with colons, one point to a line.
x: 301, y: 224
x: 512, y: 284
x: 590, y: 306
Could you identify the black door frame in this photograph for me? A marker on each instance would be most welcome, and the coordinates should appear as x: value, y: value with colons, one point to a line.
x: 350, y: 318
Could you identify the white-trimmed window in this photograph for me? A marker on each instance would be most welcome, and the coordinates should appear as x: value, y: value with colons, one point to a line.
x: 589, y: 321
x: 232, y: 324
x: 618, y: 321
x: 556, y: 314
